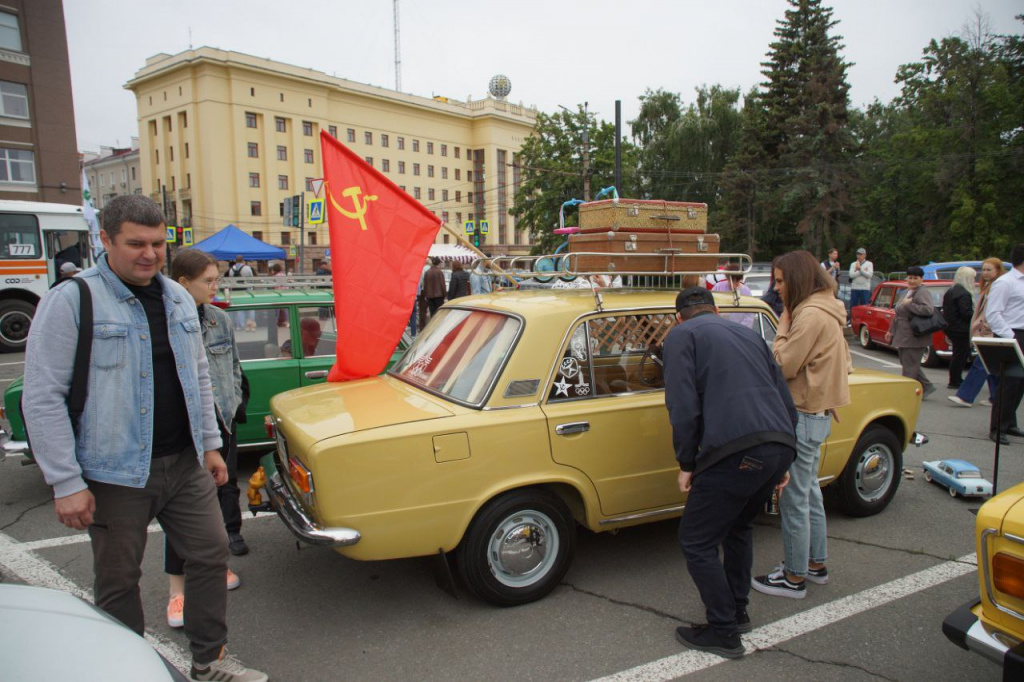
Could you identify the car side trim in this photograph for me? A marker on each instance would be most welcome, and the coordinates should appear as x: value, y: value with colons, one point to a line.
x: 641, y: 515
x: 300, y: 523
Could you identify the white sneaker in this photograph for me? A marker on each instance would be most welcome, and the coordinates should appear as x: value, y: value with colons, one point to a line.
x: 958, y: 401
x: 986, y: 403
x: 227, y: 669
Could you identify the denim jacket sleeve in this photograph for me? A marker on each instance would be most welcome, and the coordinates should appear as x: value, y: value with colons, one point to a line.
x: 49, y: 365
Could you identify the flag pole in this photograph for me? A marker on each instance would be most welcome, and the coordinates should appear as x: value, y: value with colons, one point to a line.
x: 460, y: 240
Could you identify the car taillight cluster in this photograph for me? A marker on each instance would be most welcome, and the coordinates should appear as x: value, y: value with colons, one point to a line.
x: 1008, y: 575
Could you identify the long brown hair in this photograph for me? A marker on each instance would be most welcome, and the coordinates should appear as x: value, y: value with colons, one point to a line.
x: 1000, y: 269
x: 803, y: 276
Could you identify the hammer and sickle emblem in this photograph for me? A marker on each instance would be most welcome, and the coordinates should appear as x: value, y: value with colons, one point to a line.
x: 360, y: 206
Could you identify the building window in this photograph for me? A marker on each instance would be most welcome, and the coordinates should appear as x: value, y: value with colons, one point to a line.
x: 10, y: 33
x: 458, y: 195
x: 333, y: 131
x: 280, y: 124
x: 286, y: 238
x: 250, y: 119
x: 444, y: 217
x: 430, y: 171
x: 415, y: 145
x: 369, y: 160
x: 430, y: 194
x: 257, y: 234
x: 384, y: 140
x: 282, y: 153
x: 252, y: 93
x: 312, y: 238
x: 430, y: 147
x: 401, y: 143
x: 458, y: 173
x: 415, y: 192
x: 415, y: 169
x: 385, y: 165
x: 186, y: 150
x: 469, y: 176
x: 188, y: 179
x: 458, y: 217
x: 444, y: 172
x: 254, y: 179
x: 13, y: 100
x: 309, y: 184
x: 444, y: 195
x: 156, y: 153
x: 255, y: 208
x: 401, y: 187
x: 401, y: 167
x: 282, y: 182
x: 457, y: 155
x: 368, y: 137
x: 307, y: 128
x: 184, y: 115
x: 133, y: 172
x: 254, y: 150
x: 170, y: 153
x: 469, y: 197
x: 307, y: 155
x: 350, y: 134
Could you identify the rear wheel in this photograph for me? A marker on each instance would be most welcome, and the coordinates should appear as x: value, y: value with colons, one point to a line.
x: 952, y: 491
x: 518, y: 548
x: 929, y: 358
x: 15, y: 320
x: 865, y: 337
x: 928, y: 476
x: 871, y: 477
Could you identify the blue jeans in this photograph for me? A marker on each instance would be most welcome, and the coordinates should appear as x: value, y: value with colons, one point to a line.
x: 976, y: 377
x: 859, y: 297
x: 803, y: 512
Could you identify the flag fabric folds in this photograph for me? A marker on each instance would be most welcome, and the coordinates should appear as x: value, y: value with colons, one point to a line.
x: 380, y: 237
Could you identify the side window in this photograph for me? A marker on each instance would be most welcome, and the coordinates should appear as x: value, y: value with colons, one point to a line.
x: 318, y: 331
x: 573, y: 378
x: 898, y: 296
x: 19, y: 236
x: 618, y: 346
x: 884, y: 298
x: 261, y: 333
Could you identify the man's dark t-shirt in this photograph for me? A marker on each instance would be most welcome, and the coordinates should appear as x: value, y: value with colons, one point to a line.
x: 172, y: 432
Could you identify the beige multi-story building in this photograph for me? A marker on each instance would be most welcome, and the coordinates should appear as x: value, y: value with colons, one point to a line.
x: 113, y: 172
x: 226, y: 137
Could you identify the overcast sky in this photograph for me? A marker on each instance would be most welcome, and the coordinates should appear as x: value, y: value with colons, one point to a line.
x: 554, y: 51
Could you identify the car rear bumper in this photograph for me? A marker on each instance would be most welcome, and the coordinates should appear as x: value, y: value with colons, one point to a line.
x: 965, y: 629
x: 297, y: 519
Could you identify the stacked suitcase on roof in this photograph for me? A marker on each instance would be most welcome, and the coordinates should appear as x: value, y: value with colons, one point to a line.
x: 612, y: 233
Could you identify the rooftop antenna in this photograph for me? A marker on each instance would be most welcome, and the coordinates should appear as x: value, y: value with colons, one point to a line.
x: 190, y: 37
x: 398, y: 52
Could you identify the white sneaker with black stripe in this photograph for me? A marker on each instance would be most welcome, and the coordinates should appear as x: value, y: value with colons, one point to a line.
x: 777, y: 584
x: 227, y: 669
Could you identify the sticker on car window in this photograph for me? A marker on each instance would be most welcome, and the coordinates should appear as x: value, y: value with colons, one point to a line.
x: 572, y: 376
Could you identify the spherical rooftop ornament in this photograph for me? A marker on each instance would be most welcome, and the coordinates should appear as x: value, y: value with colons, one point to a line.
x: 500, y: 86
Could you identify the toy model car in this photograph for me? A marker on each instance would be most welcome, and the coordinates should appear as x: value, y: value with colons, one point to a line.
x: 518, y: 415
x: 993, y: 625
x: 960, y: 477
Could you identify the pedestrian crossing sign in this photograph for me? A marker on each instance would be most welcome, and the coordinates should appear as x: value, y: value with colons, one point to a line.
x: 470, y: 227
x: 484, y: 227
x: 186, y: 237
x: 171, y: 238
x: 316, y: 211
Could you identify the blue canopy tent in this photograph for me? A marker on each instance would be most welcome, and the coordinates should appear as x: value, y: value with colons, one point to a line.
x: 230, y: 242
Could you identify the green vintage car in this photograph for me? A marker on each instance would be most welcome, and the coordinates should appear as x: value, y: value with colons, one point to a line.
x: 286, y: 339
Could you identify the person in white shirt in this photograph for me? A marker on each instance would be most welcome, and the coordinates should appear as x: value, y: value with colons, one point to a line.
x: 1005, y: 314
x: 861, y: 271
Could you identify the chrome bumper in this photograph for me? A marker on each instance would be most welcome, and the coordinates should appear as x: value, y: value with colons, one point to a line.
x: 966, y: 630
x: 300, y: 523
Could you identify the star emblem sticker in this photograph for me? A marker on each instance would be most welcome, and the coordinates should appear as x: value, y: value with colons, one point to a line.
x: 562, y: 387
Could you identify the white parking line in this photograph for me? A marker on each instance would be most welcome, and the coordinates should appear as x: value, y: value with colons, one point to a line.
x: 11, y: 364
x: 884, y: 363
x: 803, y: 623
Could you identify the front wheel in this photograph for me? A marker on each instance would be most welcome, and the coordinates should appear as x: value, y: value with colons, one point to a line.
x: 518, y: 548
x: 871, y: 477
x: 929, y: 358
x: 15, y: 319
x: 865, y: 337
x: 952, y: 491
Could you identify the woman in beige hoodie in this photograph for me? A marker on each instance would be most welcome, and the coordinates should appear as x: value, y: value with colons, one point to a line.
x: 815, y: 359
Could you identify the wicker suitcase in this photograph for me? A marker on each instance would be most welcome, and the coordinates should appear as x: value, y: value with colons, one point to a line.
x: 634, y: 215
x: 680, y: 252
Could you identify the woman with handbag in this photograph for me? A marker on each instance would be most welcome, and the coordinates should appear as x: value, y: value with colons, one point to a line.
x: 917, y: 303
x: 991, y: 270
x: 958, y: 309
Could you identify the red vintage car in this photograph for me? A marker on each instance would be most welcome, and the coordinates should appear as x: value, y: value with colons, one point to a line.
x: 870, y: 322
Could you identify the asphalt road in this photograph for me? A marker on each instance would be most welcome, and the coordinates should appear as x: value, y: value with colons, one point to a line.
x: 310, y: 614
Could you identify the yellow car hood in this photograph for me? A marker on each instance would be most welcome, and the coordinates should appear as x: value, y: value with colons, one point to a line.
x: 334, y: 409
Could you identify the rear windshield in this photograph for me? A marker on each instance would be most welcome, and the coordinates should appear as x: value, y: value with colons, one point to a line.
x: 459, y: 354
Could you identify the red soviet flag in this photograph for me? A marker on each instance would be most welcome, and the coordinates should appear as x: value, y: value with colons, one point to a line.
x: 380, y: 237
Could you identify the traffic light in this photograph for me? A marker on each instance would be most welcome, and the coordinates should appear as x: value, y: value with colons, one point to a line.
x: 476, y: 237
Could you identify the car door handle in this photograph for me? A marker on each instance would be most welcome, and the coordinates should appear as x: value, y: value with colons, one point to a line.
x: 573, y: 427
x: 317, y: 374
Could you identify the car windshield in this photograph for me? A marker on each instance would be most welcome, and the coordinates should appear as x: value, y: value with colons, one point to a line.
x: 969, y: 474
x: 459, y: 354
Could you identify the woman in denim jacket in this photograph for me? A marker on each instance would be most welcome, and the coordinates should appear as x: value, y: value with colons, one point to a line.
x: 197, y: 272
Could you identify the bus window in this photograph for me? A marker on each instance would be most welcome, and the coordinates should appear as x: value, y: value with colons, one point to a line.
x: 19, y: 236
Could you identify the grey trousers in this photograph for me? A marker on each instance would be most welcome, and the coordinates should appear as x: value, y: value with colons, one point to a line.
x: 182, y: 496
x: 910, y: 362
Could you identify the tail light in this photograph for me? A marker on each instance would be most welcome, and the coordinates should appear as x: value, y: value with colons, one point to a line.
x: 268, y: 423
x: 1008, y: 575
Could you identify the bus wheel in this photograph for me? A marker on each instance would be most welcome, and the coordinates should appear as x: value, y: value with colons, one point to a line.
x: 15, y: 319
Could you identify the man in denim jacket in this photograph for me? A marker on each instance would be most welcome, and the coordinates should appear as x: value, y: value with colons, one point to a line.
x: 146, y: 445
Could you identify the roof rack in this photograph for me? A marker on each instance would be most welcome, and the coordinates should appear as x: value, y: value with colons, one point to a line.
x: 566, y: 265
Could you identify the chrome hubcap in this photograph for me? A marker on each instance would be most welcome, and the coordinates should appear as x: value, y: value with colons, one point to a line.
x: 523, y: 548
x: 874, y: 472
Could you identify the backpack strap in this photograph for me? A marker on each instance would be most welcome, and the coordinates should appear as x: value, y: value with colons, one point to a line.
x: 83, y: 353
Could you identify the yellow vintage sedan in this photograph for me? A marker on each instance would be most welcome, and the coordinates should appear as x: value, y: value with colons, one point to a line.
x: 516, y: 416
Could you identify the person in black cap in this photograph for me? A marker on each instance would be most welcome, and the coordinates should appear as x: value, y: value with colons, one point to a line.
x: 733, y: 429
